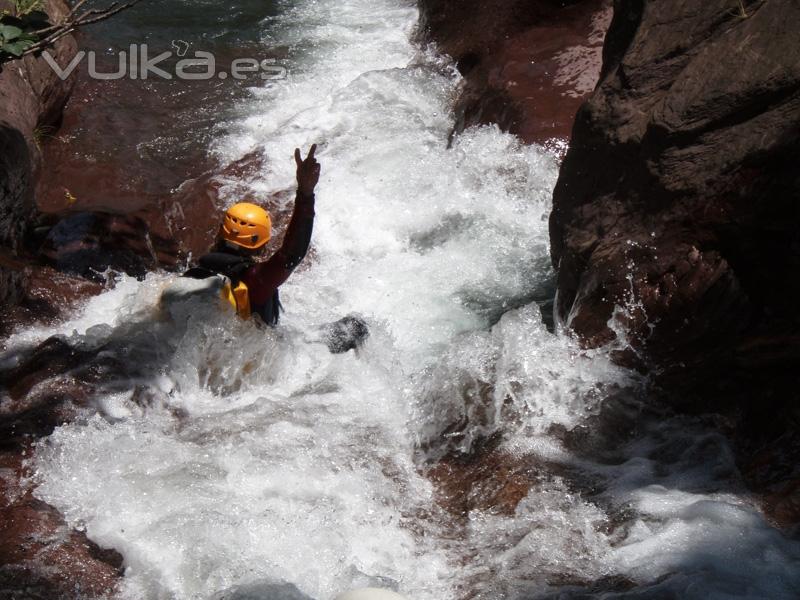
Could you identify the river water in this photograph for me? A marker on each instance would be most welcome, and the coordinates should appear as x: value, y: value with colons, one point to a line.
x: 229, y: 462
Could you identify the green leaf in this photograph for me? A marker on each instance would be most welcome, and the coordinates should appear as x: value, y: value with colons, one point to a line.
x: 9, y: 32
x: 16, y: 48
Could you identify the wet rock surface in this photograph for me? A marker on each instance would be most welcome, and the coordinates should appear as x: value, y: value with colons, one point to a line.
x: 31, y: 98
x: 487, y: 479
x: 44, y: 295
x: 527, y: 65
x: 677, y: 196
x: 89, y: 244
x: 40, y: 556
x: 675, y: 214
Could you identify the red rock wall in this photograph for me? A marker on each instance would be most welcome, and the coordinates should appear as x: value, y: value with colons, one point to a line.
x: 679, y: 198
x: 527, y: 65
x: 39, y: 555
x: 31, y: 97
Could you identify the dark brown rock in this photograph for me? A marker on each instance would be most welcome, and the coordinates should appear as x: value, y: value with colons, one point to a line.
x: 527, y: 64
x: 773, y: 469
x: 489, y: 480
x: 90, y: 243
x: 15, y: 198
x: 31, y: 98
x: 678, y: 199
x: 46, y: 295
x: 40, y: 557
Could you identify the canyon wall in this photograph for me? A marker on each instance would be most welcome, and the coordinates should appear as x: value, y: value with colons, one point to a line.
x: 527, y: 65
x: 675, y: 221
x: 40, y: 556
x: 675, y: 231
x: 32, y: 97
x: 674, y: 228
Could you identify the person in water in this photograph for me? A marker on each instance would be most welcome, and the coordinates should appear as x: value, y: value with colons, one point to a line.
x: 251, y: 286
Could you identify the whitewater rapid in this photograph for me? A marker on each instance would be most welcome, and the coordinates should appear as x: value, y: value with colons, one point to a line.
x: 230, y: 462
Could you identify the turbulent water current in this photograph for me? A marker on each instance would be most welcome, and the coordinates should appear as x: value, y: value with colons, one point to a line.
x: 233, y: 462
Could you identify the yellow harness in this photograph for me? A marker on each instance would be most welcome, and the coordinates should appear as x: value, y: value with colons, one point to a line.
x: 238, y: 296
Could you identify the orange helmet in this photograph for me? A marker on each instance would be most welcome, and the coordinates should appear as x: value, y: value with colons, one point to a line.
x: 246, y: 225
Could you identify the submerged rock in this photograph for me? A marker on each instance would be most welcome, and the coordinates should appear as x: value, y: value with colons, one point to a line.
x: 348, y: 333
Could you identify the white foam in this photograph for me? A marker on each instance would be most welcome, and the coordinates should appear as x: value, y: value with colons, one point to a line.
x: 254, y: 462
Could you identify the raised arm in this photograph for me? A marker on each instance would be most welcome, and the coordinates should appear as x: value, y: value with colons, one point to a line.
x: 264, y: 278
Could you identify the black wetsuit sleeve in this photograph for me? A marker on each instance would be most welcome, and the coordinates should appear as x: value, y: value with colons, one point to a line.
x: 263, y: 279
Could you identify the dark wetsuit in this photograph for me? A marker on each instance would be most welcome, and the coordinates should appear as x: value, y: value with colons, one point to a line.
x: 264, y: 279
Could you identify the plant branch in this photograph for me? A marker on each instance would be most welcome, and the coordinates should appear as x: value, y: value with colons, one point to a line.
x: 49, y: 35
